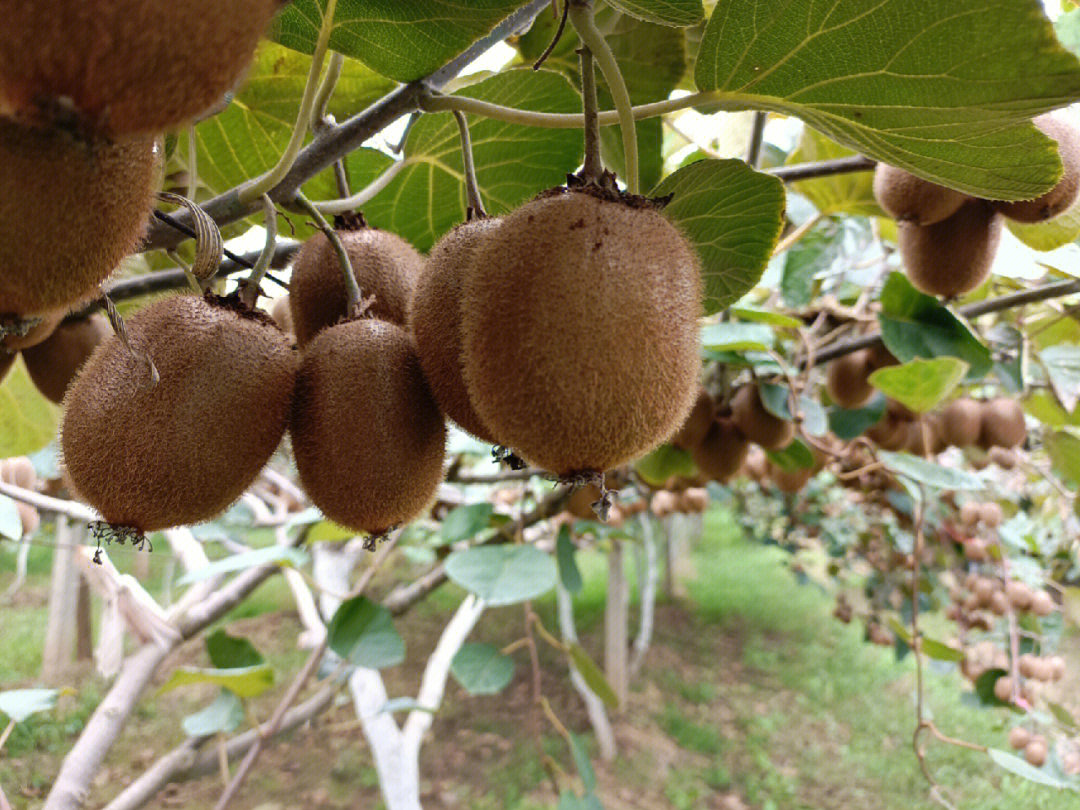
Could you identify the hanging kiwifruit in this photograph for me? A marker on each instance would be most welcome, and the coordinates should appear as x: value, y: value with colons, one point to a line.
x: 580, y: 502
x: 721, y: 454
x: 580, y: 320
x: 282, y: 315
x: 41, y: 329
x: 789, y: 481
x: 962, y: 422
x: 54, y: 363
x: 907, y: 198
x: 1002, y: 423
x: 119, y: 67
x: 70, y: 210
x: 150, y: 456
x: 697, y: 424
x: 367, y: 434
x: 847, y: 379
x: 953, y: 256
x: 757, y: 424
x: 435, y: 321
x: 923, y: 436
x: 386, y: 267
x: 1064, y: 194
x: 891, y: 431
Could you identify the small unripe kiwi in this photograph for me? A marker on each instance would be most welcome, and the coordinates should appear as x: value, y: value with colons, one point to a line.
x: 1019, y: 594
x: 118, y: 67
x: 663, y: 503
x: 182, y: 450
x: 54, y: 363
x: 953, y: 256
x: 1027, y: 665
x: 1064, y: 194
x: 1002, y: 423
x: 907, y: 198
x: 384, y: 264
x: 1019, y: 737
x: 70, y: 210
x: 435, y: 322
x: 962, y: 422
x: 581, y: 500
x: 891, y: 432
x: 580, y: 320
x: 697, y: 424
x: 1036, y: 751
x: 1057, y: 667
x: 695, y: 500
x: 990, y: 514
x: 722, y: 452
x: 18, y: 470
x: 1042, y: 604
x: 1002, y: 457
x: 757, y: 424
x: 847, y: 380
x: 1003, y: 688
x: 282, y: 314
x: 367, y: 435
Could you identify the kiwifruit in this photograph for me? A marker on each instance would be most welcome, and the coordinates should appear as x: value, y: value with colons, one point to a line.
x: 29, y: 518
x: 1057, y: 667
x: 962, y: 422
x: 880, y: 357
x: 1003, y: 457
x: 907, y: 198
x: 367, y: 434
x: 1003, y: 689
x: 70, y: 210
x: 694, y: 500
x: 846, y: 380
x: 757, y: 424
x: 663, y: 503
x: 1036, y: 750
x: 1064, y: 194
x: 697, y: 424
x: 580, y: 320
x: 150, y: 456
x: 435, y: 322
x: 971, y: 514
x: 953, y: 256
x: 924, y: 436
x: 581, y: 500
x: 1002, y: 423
x: 384, y: 264
x: 19, y: 470
x: 1042, y: 604
x: 990, y: 514
x: 119, y: 67
x: 890, y: 432
x: 1027, y: 664
x: 44, y: 325
x: 54, y: 363
x: 789, y: 481
x: 1019, y: 594
x: 721, y: 454
x: 282, y: 314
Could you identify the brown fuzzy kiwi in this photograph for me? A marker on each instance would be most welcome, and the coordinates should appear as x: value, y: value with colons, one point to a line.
x: 69, y: 212
x: 581, y: 500
x: 181, y: 451
x: 962, y: 422
x: 19, y: 470
x: 1002, y: 423
x: 1064, y: 194
x: 953, y: 256
x: 923, y: 438
x: 282, y: 315
x: 580, y: 320
x: 43, y: 328
x: 757, y: 424
x: 789, y: 482
x: 880, y: 357
x: 847, y: 380
x: 118, y: 67
x: 367, y: 434
x: 53, y: 363
x: 721, y: 454
x: 907, y: 198
x: 697, y: 424
x: 435, y: 322
x: 385, y: 266
x: 891, y: 432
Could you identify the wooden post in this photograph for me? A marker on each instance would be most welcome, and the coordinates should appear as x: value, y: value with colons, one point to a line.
x: 59, y: 651
x: 616, y: 639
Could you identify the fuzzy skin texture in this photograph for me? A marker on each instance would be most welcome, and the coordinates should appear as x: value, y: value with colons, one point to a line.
x: 953, y: 256
x: 1002, y: 423
x: 367, y: 434
x: 182, y: 451
x: 847, y: 379
x: 69, y: 212
x: 37, y: 334
x: 961, y: 422
x: 122, y: 67
x: 907, y: 198
x: 891, y: 432
x: 282, y: 315
x: 1064, y: 194
x: 757, y: 424
x: 384, y: 264
x: 721, y: 454
x: 789, y: 482
x: 697, y: 423
x: 54, y: 363
x: 435, y: 322
x: 581, y: 332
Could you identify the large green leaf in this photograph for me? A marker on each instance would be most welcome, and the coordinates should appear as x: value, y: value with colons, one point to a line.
x: 942, y: 89
x: 503, y: 575
x: 848, y: 192
x: 1049, y: 235
x: 402, y: 39
x: 664, y: 462
x: 362, y: 632
x: 665, y: 12
x: 465, y: 521
x: 1064, y: 449
x: 225, y: 714
x: 241, y: 681
x: 481, y: 669
x: 230, y: 652
x: 1062, y: 363
x: 27, y: 420
x: 569, y: 572
x: 1020, y: 767
x: 927, y: 472
x: 808, y: 258
x: 921, y: 385
x: 513, y: 162
x: 737, y: 337
x: 733, y: 216
x: 592, y: 675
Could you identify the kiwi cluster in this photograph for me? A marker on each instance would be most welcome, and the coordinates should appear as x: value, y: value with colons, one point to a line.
x: 994, y: 425
x: 947, y: 239
x: 688, y: 501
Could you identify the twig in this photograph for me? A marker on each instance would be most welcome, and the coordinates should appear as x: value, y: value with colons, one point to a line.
x: 250, y: 293
x: 757, y: 136
x: 474, y: 203
x: 592, y: 170
x: 364, y: 195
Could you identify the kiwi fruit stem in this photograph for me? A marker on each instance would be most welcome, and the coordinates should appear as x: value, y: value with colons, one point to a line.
x: 472, y: 189
x: 592, y: 170
x: 249, y: 293
x: 355, y: 304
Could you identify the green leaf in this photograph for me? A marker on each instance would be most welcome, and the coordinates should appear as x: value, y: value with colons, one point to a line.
x: 564, y: 556
x: 917, y: 325
x: 665, y: 12
x: 984, y: 688
x: 464, y: 522
x: 481, y: 669
x: 845, y: 193
x: 427, y: 197
x: 775, y: 399
x: 569, y: 801
x: 1062, y: 364
x: 1064, y: 449
x: 733, y: 216
x: 1049, y: 235
x: 503, y: 575
x: 815, y: 422
x: 1020, y: 767
x: 282, y: 555
x: 847, y: 424
x: 921, y: 385
x: 242, y: 681
x: 765, y: 316
x: 18, y: 704
x: 10, y: 522
x: 402, y: 40
x: 940, y: 651
x: 27, y: 420
x: 737, y: 337
x: 225, y: 714
x: 796, y: 456
x: 404, y: 704
x: 229, y: 652
x: 664, y: 462
x: 934, y: 88
x: 581, y: 762
x: 814, y: 253
x: 326, y: 531
x: 927, y: 472
x: 362, y: 632
x: 593, y: 677
x: 1062, y: 715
